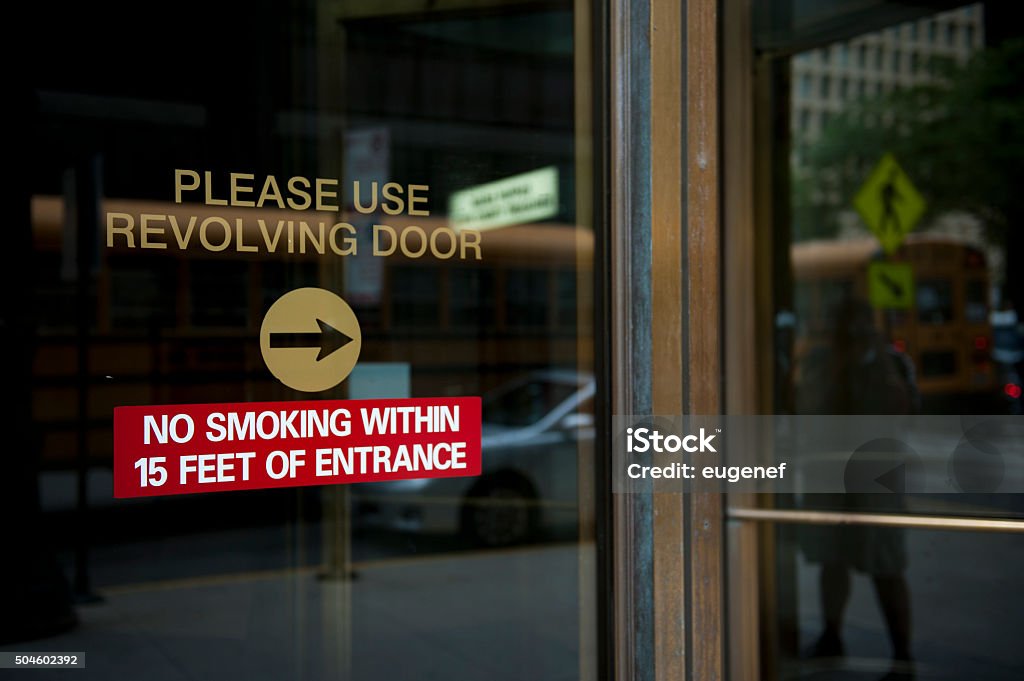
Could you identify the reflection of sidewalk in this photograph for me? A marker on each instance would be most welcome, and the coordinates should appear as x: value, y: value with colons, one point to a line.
x: 965, y: 613
x: 496, y: 615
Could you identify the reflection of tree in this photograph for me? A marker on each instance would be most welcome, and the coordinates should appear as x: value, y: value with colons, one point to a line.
x: 959, y: 136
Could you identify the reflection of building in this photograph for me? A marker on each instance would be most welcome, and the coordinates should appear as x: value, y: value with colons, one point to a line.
x: 825, y: 79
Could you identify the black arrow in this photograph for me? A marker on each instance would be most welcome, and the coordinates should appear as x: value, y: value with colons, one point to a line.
x: 894, y: 480
x: 894, y: 286
x: 328, y: 339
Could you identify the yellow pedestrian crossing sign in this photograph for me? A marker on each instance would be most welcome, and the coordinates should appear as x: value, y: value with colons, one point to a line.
x: 891, y: 285
x: 889, y: 203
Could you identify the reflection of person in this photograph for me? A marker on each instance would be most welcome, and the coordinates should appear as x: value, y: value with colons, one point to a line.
x: 860, y: 374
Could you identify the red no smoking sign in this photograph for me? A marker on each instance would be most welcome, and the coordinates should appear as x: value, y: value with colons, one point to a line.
x: 182, y: 449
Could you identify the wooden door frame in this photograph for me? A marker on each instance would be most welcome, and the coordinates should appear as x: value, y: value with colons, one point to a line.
x: 665, y: 236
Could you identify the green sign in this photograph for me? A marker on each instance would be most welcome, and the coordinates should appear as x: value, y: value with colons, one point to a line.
x: 891, y: 285
x: 889, y: 203
x: 515, y: 200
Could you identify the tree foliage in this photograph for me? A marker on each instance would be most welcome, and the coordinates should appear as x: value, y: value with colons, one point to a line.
x: 959, y: 136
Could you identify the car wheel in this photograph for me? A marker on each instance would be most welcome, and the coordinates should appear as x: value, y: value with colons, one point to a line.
x: 501, y: 512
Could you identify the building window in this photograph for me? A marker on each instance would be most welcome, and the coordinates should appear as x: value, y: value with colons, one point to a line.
x: 805, y: 86
x: 805, y: 120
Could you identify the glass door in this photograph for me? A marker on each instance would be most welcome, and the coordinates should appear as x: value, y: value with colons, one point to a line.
x: 431, y: 166
x: 885, y: 150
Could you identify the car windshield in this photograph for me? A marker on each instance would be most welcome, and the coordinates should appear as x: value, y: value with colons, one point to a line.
x: 525, y: 403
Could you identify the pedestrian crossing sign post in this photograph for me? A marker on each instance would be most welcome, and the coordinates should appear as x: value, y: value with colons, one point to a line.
x: 889, y: 203
x: 891, y: 285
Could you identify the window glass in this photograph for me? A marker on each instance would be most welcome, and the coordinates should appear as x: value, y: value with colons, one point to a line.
x: 415, y: 297
x: 567, y: 293
x: 976, y: 301
x: 528, y: 293
x: 470, y: 295
x: 219, y: 293
x: 527, y: 403
x: 195, y: 188
x: 896, y: 246
x: 143, y: 297
x: 55, y: 292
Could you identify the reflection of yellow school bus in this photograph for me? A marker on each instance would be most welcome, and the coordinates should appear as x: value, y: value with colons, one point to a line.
x: 180, y: 325
x: 946, y: 331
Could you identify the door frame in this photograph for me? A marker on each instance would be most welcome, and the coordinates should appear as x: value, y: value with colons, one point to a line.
x: 664, y: 221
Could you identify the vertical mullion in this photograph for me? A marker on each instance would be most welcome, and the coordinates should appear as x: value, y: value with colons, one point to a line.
x: 667, y: 325
x: 630, y: 312
x: 740, y: 306
x: 704, y: 325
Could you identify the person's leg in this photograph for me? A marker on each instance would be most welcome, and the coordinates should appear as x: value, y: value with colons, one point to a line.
x: 894, y: 600
x: 835, y: 593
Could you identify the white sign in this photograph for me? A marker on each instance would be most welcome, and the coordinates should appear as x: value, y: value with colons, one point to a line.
x: 522, y: 198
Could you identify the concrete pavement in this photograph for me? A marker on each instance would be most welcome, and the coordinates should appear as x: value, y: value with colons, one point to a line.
x: 506, y: 615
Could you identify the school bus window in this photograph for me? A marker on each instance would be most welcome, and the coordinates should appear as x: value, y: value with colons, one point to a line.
x: 414, y: 297
x: 470, y: 298
x: 526, y: 298
x: 934, y: 301
x: 219, y: 293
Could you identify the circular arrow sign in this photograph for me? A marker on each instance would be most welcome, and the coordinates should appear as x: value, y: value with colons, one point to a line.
x: 310, y: 339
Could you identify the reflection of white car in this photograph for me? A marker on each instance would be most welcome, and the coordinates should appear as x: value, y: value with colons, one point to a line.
x: 533, y: 430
